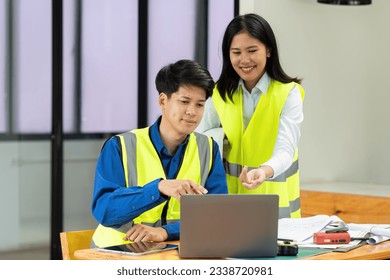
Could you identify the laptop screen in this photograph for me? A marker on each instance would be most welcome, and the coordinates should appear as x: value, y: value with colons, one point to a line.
x: 228, y: 225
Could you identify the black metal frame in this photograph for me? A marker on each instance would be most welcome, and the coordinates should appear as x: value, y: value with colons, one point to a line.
x: 56, y: 224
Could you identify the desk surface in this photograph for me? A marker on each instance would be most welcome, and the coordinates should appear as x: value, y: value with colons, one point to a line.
x: 367, y: 252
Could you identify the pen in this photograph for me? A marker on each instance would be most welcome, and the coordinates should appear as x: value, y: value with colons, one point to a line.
x: 359, y: 238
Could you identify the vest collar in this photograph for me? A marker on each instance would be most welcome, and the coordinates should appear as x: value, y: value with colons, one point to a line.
x: 157, y: 141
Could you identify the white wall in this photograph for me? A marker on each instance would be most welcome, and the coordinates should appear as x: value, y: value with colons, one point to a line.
x: 343, y: 55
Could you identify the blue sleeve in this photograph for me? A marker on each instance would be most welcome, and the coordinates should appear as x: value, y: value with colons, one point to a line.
x: 112, y: 203
x: 173, y: 231
x: 216, y: 182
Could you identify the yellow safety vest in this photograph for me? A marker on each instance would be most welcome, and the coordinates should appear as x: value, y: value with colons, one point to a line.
x: 141, y: 165
x: 254, y: 145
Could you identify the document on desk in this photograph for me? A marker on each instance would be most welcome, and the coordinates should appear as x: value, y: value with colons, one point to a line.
x: 379, y: 232
x: 302, y: 229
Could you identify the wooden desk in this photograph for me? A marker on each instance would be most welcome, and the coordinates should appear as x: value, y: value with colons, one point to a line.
x: 367, y: 252
x: 380, y: 251
x: 351, y: 208
x: 95, y: 254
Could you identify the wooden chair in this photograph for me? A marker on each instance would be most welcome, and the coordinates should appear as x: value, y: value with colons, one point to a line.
x: 75, y: 240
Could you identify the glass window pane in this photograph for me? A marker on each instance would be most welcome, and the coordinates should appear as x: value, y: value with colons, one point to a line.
x: 3, y: 93
x: 32, y: 52
x: 220, y: 13
x: 109, y: 65
x: 171, y: 37
x: 69, y: 49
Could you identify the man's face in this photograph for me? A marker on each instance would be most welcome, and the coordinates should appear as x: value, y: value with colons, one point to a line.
x: 182, y: 112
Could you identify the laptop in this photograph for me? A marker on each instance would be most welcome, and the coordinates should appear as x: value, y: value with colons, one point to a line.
x: 229, y: 225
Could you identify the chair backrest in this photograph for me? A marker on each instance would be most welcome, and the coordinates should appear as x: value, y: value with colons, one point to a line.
x: 75, y: 240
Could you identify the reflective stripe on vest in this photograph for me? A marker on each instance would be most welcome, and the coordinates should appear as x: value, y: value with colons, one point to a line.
x: 234, y: 169
x: 254, y: 145
x: 142, y: 165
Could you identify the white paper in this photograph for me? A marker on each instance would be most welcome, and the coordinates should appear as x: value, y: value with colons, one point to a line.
x: 375, y: 229
x: 302, y: 229
x: 379, y: 232
x: 375, y: 239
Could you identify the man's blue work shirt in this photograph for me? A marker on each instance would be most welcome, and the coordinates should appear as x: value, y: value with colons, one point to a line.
x: 114, y: 205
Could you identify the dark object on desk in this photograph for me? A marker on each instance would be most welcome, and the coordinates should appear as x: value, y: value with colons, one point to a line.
x: 345, y: 2
x: 287, y: 248
x: 339, y: 226
x: 140, y: 248
x: 231, y: 225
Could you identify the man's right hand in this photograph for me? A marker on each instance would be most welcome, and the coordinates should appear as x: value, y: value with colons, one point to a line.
x: 177, y: 188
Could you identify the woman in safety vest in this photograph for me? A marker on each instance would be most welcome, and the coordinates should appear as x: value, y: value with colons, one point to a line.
x: 259, y: 108
x: 141, y: 174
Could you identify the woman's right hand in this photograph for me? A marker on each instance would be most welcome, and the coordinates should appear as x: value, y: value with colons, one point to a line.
x: 252, y: 179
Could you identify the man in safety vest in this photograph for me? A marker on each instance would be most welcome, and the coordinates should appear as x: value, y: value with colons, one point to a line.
x: 141, y: 174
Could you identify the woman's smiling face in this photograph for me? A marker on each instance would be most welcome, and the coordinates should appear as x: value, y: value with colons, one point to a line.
x: 248, y: 57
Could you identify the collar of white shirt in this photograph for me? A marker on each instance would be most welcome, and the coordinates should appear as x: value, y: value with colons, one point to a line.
x: 261, y: 86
